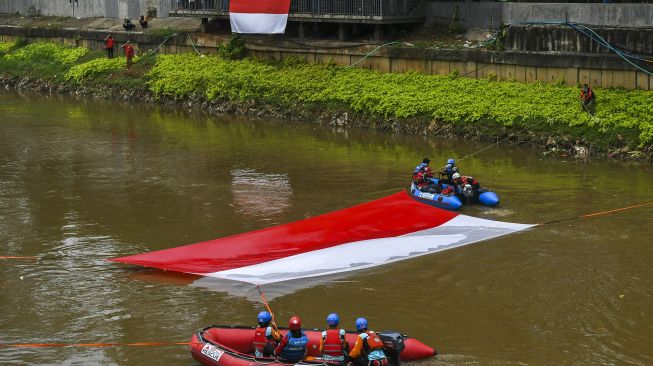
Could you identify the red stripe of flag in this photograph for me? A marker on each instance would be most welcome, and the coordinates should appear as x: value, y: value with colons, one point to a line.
x: 260, y: 6
x: 391, y: 216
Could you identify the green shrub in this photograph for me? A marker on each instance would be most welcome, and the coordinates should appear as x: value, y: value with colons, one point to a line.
x: 42, y: 52
x: 234, y: 49
x: 6, y: 46
x: 457, y: 100
x: 91, y: 69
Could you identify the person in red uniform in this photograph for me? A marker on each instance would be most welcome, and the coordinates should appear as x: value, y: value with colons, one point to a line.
x: 587, y: 99
x: 108, y: 45
x: 467, y: 188
x: 129, y: 53
x: 333, y: 345
x: 266, y: 335
x: 423, y: 182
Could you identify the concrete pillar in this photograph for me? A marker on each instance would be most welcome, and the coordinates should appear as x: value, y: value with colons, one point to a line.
x: 378, y: 32
x: 392, y: 31
x: 343, y: 32
x: 205, y: 25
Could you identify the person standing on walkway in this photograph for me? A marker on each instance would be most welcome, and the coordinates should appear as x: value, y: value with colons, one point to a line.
x: 587, y: 99
x: 129, y: 53
x: 108, y: 45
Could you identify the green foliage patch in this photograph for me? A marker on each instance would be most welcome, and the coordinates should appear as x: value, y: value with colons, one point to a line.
x: 44, y: 52
x: 6, y: 46
x: 536, y: 107
x: 489, y: 106
x: 91, y: 69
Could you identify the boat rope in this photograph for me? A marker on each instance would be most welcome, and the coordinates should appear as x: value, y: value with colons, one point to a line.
x: 483, y: 149
x: 53, y: 345
x: 5, y: 257
x: 597, y: 213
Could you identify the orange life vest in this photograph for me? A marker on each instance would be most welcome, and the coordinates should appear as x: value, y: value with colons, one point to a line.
x: 374, y: 342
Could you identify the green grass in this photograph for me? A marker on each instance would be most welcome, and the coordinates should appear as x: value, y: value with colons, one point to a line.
x: 534, y: 107
x: 490, y: 107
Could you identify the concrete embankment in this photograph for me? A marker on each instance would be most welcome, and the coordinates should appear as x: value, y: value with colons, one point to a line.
x: 524, y: 60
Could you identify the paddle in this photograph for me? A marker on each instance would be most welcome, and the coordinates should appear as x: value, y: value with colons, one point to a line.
x: 267, y: 306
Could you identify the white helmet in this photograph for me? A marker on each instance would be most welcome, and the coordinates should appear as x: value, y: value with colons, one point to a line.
x: 455, y: 176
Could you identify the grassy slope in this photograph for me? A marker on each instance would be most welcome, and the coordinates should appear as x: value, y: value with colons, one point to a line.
x: 539, y: 109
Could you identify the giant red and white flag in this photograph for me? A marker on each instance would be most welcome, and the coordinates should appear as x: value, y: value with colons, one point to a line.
x: 376, y: 233
x: 259, y: 16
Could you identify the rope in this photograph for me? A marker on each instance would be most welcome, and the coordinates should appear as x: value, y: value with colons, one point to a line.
x: 483, y: 149
x: 371, y: 52
x: 191, y: 42
x: 476, y: 70
x: 166, y: 40
x: 5, y: 257
x: 52, y: 345
x: 598, y: 213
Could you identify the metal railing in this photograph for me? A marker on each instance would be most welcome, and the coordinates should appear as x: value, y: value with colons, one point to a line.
x: 395, y: 8
x: 213, y: 5
x: 355, y: 7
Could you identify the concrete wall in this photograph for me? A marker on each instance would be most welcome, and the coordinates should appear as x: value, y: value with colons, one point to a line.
x: 86, y: 8
x: 482, y: 14
x: 536, y: 38
x: 598, y: 70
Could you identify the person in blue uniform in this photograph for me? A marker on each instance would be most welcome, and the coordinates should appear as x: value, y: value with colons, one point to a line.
x: 449, y: 169
x: 423, y: 166
x: 292, y: 347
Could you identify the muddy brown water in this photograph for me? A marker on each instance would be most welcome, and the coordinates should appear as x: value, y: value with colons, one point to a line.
x: 82, y: 181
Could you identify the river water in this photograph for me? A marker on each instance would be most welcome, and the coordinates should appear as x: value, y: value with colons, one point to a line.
x: 82, y: 181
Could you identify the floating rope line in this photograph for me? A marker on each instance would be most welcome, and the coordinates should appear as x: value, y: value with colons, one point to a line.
x: 598, y: 213
x: 53, y: 345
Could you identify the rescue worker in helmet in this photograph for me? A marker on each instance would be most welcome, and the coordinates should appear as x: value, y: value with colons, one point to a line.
x: 333, y: 345
x: 266, y: 335
x: 424, y: 166
x: 422, y: 181
x: 368, y: 350
x: 292, y: 347
x: 449, y: 169
x: 467, y: 188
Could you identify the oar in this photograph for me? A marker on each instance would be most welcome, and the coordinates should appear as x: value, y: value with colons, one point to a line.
x: 267, y: 306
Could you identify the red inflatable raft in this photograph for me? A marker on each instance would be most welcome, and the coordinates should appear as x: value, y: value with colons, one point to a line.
x: 232, y: 346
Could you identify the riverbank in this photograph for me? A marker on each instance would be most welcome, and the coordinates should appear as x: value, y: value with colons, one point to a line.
x: 548, y: 116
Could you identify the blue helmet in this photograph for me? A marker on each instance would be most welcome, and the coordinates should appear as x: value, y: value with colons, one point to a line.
x: 333, y: 319
x: 361, y: 323
x: 264, y: 317
x: 451, y: 162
